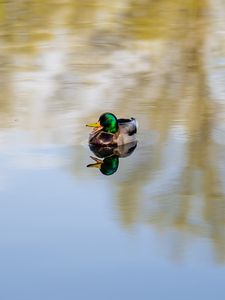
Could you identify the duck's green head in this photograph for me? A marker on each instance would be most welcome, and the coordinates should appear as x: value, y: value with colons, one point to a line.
x: 107, y: 122
x: 107, y: 166
x: 110, y: 165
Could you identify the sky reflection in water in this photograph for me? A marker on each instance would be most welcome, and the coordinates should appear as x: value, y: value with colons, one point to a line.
x: 154, y: 228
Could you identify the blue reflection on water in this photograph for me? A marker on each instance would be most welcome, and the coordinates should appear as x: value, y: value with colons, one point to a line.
x: 60, y: 239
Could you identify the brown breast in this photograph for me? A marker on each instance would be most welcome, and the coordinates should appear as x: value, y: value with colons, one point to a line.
x: 102, y: 138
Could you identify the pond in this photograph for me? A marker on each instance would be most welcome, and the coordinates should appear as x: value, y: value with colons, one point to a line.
x: 150, y: 222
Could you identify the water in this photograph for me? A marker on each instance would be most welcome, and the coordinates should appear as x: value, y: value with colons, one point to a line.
x: 155, y: 226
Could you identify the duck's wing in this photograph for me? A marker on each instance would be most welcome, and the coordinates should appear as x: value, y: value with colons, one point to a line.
x: 128, y: 126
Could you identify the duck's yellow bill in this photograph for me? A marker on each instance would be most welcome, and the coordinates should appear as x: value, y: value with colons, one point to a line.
x: 98, y: 163
x: 95, y: 165
x: 96, y: 125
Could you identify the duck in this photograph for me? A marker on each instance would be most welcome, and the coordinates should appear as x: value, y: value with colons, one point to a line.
x: 111, y: 131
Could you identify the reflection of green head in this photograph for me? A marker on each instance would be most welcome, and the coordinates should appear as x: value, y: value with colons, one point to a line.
x: 109, y: 122
x: 110, y: 165
x: 107, y: 166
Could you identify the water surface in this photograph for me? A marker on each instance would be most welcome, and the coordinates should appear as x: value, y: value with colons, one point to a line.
x: 155, y: 228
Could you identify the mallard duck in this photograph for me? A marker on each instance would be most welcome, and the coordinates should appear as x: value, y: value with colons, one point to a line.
x: 111, y: 155
x: 110, y: 131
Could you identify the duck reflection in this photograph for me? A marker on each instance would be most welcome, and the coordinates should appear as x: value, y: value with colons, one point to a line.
x: 110, y: 162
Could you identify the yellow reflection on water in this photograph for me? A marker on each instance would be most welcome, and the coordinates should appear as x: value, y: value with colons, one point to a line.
x: 63, y: 62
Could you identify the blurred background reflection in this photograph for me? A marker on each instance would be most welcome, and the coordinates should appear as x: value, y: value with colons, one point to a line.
x: 65, y: 62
